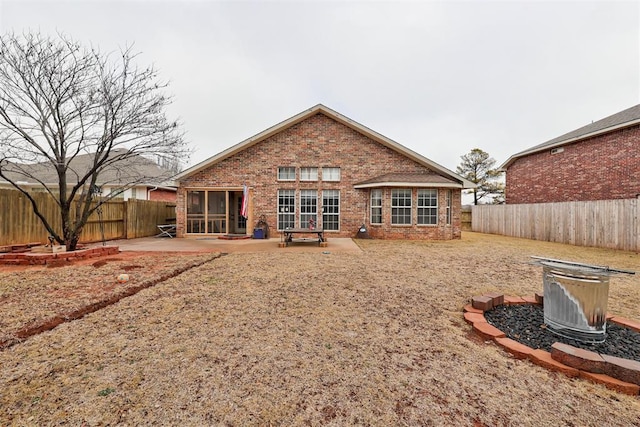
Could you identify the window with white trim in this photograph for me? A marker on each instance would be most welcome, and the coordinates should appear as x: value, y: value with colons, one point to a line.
x: 286, y: 209
x: 286, y: 173
x: 308, y: 207
x: 401, y: 206
x: 331, y: 174
x: 427, y: 206
x: 376, y: 206
x: 331, y: 210
x: 308, y: 174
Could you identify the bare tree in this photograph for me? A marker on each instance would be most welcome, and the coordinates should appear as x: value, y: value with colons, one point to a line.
x: 477, y: 167
x: 60, y: 101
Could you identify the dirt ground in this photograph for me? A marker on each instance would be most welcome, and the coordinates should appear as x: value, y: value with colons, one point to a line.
x: 374, y: 337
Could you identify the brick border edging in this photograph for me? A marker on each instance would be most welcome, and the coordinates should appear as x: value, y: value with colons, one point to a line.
x: 48, y: 324
x: 55, y: 259
x: 622, y: 375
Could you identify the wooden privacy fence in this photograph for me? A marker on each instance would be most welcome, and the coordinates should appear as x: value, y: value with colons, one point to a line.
x: 117, y: 220
x: 465, y: 218
x: 610, y: 224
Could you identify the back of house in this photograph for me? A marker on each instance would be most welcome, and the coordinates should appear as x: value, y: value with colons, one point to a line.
x: 323, y: 168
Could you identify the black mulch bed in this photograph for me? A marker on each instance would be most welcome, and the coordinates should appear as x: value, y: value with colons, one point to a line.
x: 525, y: 324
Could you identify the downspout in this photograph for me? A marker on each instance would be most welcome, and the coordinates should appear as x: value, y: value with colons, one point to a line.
x: 149, y: 192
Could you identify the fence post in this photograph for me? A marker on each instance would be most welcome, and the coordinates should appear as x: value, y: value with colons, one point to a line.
x: 125, y: 218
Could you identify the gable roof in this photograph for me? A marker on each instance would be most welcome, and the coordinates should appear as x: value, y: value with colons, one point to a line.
x: 321, y: 109
x: 623, y: 119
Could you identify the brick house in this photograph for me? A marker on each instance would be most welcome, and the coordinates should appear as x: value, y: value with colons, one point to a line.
x: 321, y: 166
x: 135, y: 177
x: 600, y: 161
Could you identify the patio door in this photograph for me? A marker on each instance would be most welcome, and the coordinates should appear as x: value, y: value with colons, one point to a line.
x: 240, y: 222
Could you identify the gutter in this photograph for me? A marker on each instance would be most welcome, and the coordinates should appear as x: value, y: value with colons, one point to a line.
x: 510, y: 160
x: 408, y: 184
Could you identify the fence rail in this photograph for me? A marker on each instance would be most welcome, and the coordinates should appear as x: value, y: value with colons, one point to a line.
x: 118, y: 219
x: 613, y: 224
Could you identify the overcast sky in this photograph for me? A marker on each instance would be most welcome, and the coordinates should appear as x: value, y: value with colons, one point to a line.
x: 440, y: 78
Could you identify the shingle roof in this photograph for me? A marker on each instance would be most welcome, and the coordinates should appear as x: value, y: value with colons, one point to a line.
x: 628, y: 117
x: 408, y: 179
x: 133, y: 169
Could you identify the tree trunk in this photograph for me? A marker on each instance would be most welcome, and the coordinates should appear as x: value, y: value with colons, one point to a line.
x: 71, y: 242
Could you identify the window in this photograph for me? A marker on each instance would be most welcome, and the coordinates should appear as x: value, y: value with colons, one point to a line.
x: 331, y: 174
x: 449, y: 196
x: 427, y: 206
x: 308, y: 207
x: 401, y: 206
x: 376, y: 206
x: 286, y: 209
x: 331, y: 210
x: 117, y: 193
x: 286, y: 173
x: 308, y: 174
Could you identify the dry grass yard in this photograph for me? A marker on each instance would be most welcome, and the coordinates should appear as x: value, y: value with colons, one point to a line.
x: 297, y: 339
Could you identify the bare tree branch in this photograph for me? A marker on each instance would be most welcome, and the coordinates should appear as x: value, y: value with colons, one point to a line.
x: 61, y: 102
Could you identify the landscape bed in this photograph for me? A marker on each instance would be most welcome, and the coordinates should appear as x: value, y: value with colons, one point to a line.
x: 273, y: 338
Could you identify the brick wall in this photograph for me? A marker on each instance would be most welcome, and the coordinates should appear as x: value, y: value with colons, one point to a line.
x: 599, y: 168
x: 162, y: 196
x: 319, y: 141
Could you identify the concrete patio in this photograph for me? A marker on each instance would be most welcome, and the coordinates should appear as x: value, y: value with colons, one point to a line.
x: 212, y: 244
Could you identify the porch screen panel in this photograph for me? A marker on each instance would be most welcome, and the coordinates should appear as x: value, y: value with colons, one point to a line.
x: 401, y: 206
x: 331, y: 210
x: 195, y: 211
x: 308, y: 207
x: 286, y: 209
x: 217, y: 212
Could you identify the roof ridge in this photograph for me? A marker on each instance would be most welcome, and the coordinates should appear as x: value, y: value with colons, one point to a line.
x: 627, y: 117
x: 621, y: 117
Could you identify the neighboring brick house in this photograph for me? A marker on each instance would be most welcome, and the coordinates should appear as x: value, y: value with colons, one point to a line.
x: 600, y: 161
x: 135, y: 177
x: 159, y: 194
x: 321, y: 166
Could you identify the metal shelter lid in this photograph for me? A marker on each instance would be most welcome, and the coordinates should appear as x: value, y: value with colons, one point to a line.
x: 579, y: 267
